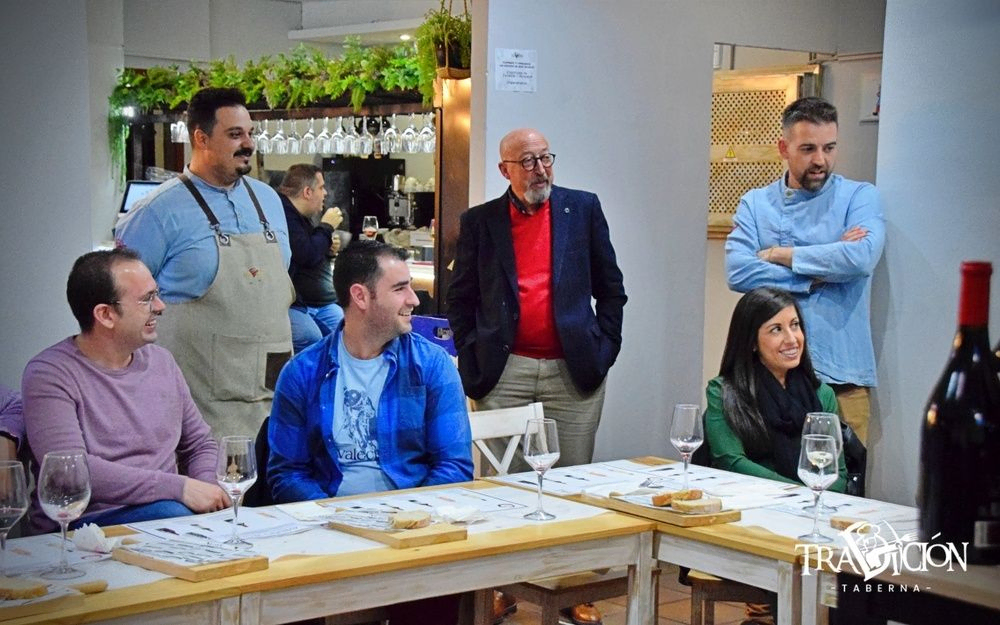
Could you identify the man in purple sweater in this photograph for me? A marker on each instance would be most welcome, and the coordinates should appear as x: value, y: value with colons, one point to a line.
x: 112, y: 393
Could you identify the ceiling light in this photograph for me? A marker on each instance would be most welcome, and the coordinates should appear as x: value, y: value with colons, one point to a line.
x: 405, y: 37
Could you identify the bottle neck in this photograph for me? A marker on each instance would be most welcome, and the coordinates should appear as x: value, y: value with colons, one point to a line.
x: 974, y: 297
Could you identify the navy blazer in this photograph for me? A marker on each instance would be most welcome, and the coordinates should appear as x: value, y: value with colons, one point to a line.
x: 483, y: 304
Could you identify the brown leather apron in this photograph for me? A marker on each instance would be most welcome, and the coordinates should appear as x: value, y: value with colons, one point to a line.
x: 232, y: 341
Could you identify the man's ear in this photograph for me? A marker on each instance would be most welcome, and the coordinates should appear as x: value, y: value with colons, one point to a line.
x: 105, y: 315
x: 503, y: 170
x: 783, y: 148
x: 360, y: 296
x: 199, y: 138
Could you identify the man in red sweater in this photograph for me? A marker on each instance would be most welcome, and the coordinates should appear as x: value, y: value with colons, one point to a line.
x: 528, y: 265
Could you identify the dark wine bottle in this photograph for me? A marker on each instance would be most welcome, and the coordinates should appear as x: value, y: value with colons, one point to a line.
x: 959, y: 489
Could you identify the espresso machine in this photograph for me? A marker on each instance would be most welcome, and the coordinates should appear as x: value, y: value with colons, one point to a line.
x: 399, y: 205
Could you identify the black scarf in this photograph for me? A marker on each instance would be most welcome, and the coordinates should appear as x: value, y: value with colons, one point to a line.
x: 784, y: 410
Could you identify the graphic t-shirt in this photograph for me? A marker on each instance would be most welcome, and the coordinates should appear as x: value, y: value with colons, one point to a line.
x: 359, y: 387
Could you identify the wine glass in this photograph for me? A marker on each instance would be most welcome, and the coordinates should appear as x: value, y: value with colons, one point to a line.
x: 817, y: 470
x: 686, y: 433
x: 409, y: 138
x: 390, y: 140
x: 541, y: 450
x: 366, y: 142
x: 352, y: 141
x: 279, y: 145
x: 294, y: 140
x: 236, y: 471
x: 309, y: 139
x: 829, y: 424
x: 13, y: 502
x: 64, y: 492
x: 369, y: 226
x: 338, y: 141
x: 427, y: 137
x: 323, y: 139
x: 263, y: 139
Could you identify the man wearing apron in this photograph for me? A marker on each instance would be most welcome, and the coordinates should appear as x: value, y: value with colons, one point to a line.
x: 217, y: 244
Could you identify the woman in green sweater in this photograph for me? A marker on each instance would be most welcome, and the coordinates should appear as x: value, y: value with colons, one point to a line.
x: 765, y: 387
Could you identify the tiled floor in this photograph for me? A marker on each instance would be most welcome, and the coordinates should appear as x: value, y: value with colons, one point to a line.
x: 674, y: 609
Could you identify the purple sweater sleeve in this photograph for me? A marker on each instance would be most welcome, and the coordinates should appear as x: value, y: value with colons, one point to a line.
x: 11, y: 414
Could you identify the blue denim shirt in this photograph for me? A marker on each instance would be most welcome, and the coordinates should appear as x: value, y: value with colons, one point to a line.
x: 837, y: 309
x: 172, y: 235
x: 422, y: 423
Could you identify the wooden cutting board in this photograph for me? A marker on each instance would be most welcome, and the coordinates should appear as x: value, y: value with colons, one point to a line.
x: 666, y: 515
x: 191, y: 572
x: 433, y: 534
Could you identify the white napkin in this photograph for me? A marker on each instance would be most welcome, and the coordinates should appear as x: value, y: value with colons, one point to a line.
x: 91, y: 538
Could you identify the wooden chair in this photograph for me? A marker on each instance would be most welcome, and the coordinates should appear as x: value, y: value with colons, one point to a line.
x: 554, y: 593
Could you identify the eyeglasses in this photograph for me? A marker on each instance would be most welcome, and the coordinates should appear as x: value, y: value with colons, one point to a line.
x: 528, y: 162
x: 146, y: 301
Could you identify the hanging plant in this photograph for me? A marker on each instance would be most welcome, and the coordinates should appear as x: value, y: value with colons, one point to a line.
x: 444, y: 42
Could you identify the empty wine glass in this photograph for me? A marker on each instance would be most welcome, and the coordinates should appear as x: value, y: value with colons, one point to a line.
x: 427, y: 136
x: 817, y: 470
x: 13, y: 502
x: 236, y: 471
x: 352, y: 141
x: 309, y: 139
x: 366, y: 142
x: 263, y: 139
x: 369, y: 227
x: 826, y: 423
x: 64, y: 493
x: 294, y: 140
x: 541, y: 451
x: 338, y: 140
x: 279, y: 145
x: 323, y: 139
x: 409, y: 138
x: 390, y: 140
x: 686, y: 433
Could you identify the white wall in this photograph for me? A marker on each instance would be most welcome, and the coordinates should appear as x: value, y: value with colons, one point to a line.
x: 105, y: 47
x: 624, y: 92
x: 46, y: 200
x: 937, y: 149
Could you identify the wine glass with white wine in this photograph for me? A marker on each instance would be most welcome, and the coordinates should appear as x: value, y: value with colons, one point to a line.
x: 541, y: 451
x: 236, y: 471
x: 817, y: 470
x: 686, y: 433
x: 64, y: 493
x: 826, y: 423
x: 13, y: 502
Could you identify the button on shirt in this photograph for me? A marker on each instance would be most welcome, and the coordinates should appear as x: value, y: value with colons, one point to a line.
x: 836, y: 310
x: 174, y: 238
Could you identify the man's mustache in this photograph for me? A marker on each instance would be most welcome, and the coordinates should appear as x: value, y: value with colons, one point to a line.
x: 244, y: 152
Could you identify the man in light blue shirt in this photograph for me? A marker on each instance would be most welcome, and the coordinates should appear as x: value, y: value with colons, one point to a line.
x: 216, y: 242
x: 818, y: 235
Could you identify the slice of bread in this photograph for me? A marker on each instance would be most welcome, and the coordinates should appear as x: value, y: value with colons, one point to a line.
x: 665, y: 499
x: 698, y: 506
x: 409, y: 520
x: 843, y: 522
x: 22, y: 588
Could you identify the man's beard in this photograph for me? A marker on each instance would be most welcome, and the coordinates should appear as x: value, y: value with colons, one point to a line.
x: 538, y: 196
x: 812, y: 184
x: 243, y: 170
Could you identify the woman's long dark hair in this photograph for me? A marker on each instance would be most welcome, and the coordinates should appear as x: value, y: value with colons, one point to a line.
x: 739, y: 377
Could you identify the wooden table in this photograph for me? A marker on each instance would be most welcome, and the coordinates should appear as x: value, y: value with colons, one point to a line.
x: 751, y: 555
x: 300, y: 587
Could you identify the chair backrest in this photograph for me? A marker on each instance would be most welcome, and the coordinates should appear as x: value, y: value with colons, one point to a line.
x: 508, y: 423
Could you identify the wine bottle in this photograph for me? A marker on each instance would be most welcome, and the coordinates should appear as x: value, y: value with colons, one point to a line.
x: 959, y: 489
